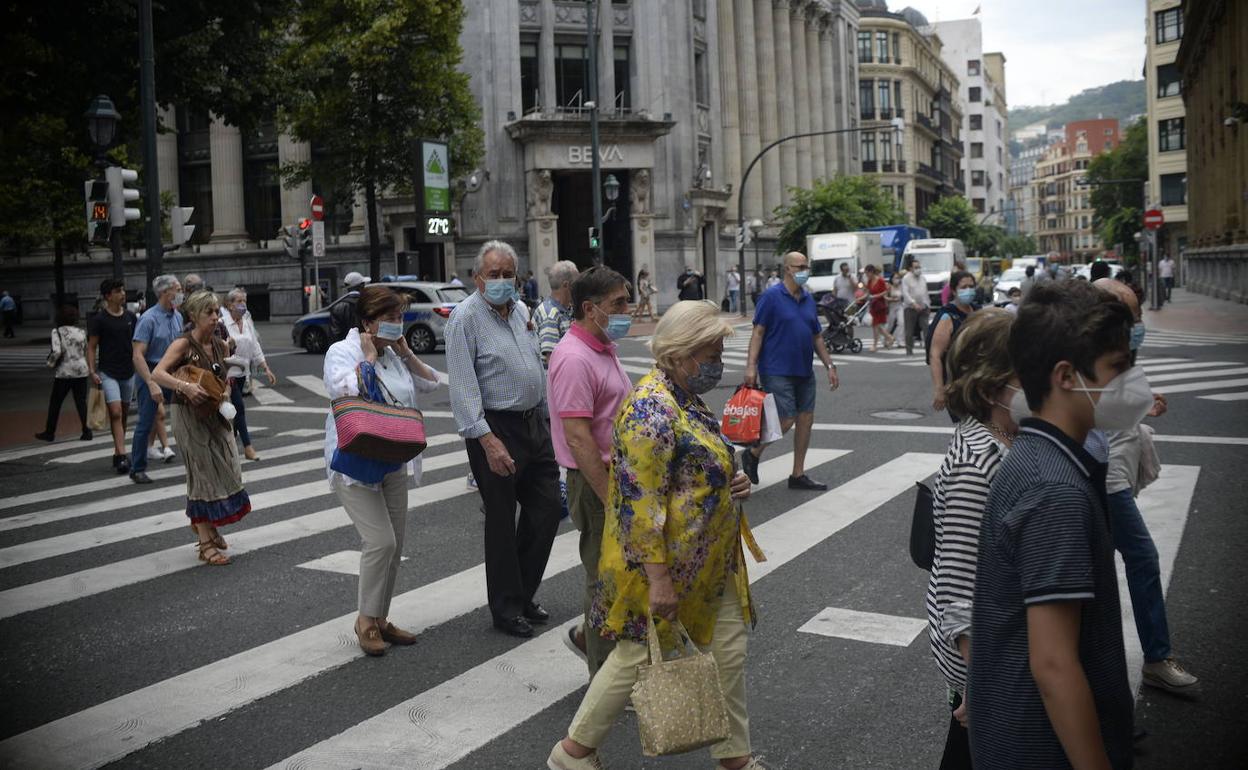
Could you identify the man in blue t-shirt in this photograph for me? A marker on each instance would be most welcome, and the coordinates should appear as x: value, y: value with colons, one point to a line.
x: 156, y: 330
x: 781, y: 360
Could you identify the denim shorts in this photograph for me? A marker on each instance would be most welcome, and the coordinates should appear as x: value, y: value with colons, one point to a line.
x: 794, y: 395
x: 116, y: 390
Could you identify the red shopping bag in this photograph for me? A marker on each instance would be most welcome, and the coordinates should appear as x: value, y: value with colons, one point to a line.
x: 743, y: 416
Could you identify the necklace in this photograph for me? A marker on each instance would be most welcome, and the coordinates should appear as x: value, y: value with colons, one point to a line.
x: 998, y: 432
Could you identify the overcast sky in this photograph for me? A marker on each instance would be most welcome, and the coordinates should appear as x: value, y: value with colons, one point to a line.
x: 1053, y: 48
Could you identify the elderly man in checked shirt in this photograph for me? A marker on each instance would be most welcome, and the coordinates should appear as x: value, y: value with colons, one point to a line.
x: 498, y: 397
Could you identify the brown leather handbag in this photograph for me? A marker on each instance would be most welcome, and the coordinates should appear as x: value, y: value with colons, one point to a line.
x: 199, y: 372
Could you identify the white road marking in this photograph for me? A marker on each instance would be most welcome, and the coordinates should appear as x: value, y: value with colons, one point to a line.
x: 1240, y: 396
x: 464, y: 713
x: 342, y: 562
x: 864, y: 626
x: 324, y: 410
x: 266, y: 395
x: 111, y: 730
x: 1189, y: 387
x: 310, y: 382
x: 1193, y: 375
x: 1185, y: 366
x: 303, y: 432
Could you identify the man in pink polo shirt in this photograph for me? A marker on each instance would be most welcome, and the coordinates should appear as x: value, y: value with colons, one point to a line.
x: 585, y: 388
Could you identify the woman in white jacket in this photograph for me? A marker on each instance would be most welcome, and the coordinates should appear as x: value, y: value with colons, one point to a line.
x: 247, y: 353
x: 375, y: 361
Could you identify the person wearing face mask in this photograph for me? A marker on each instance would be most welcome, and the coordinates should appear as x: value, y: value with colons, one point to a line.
x: 247, y: 353
x: 691, y: 285
x: 946, y: 323
x: 498, y: 398
x: 585, y: 388
x: 785, y: 340
x: 981, y: 386
x: 553, y: 317
x: 1014, y: 298
x: 916, y: 303
x: 672, y: 547
x: 843, y: 286
x: 156, y: 330
x: 1128, y: 450
x: 1048, y: 685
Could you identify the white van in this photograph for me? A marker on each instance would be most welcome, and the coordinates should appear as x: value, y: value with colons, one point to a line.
x: 827, y: 251
x: 937, y: 256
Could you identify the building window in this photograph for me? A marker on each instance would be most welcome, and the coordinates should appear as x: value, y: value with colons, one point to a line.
x: 866, y: 99
x: 977, y: 149
x: 1000, y: 129
x: 701, y: 78
x: 864, y: 46
x: 699, y: 9
x: 977, y: 122
x: 978, y: 205
x: 530, y: 80
x: 881, y: 44
x: 972, y: 67
x: 897, y: 48
x: 897, y: 98
x: 1000, y: 157
x: 868, y: 147
x: 195, y: 170
x: 623, y: 82
x: 262, y: 191
x: 570, y: 75
x: 1170, y: 135
x: 1173, y: 189
x: 974, y: 94
x: 977, y: 178
x: 886, y: 102
x: 886, y: 146
x: 1169, y: 25
x: 1168, y: 81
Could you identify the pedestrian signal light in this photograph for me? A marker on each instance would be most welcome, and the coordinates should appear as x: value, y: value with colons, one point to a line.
x: 594, y: 239
x: 178, y: 227
x: 119, y: 195
x: 98, y: 222
x: 305, y: 237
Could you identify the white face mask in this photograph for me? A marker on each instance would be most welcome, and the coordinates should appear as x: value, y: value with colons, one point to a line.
x: 1124, y: 401
x: 389, y: 330
x: 1018, y: 408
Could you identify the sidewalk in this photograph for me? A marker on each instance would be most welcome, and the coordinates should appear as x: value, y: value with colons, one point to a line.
x: 1198, y: 313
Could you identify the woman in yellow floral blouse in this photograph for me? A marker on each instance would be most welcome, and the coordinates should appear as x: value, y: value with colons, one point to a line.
x: 672, y: 544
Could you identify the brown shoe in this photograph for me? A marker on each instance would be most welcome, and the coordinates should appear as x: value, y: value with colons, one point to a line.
x: 395, y: 635
x: 370, y: 640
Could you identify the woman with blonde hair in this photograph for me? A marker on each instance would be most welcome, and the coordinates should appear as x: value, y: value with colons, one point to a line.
x: 671, y: 546
x: 214, y: 478
x: 982, y: 387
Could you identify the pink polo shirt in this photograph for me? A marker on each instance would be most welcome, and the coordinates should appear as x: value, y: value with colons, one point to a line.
x: 585, y: 380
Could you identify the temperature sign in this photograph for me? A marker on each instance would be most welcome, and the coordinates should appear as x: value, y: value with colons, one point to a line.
x: 436, y: 228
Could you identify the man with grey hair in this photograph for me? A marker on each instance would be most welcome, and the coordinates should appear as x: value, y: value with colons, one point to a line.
x: 193, y: 283
x: 554, y: 317
x: 498, y: 398
x: 156, y: 330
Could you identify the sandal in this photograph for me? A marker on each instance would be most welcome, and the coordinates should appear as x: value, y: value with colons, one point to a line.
x: 211, y: 555
x: 216, y: 538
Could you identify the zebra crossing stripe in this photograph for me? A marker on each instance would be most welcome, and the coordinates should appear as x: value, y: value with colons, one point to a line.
x: 467, y: 711
x: 1197, y: 386
x: 1186, y: 366
x: 111, y: 730
x: 1192, y: 375
x: 1240, y: 396
x: 311, y: 383
x: 268, y: 396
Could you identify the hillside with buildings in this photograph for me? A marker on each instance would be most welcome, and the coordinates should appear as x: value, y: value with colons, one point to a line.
x: 1119, y: 101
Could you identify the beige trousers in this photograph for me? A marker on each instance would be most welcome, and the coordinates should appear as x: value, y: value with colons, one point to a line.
x: 611, y: 687
x: 380, y: 516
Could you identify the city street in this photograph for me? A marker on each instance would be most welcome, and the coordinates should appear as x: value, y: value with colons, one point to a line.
x: 120, y: 647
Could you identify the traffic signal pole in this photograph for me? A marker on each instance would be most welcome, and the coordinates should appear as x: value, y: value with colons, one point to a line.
x: 151, y: 177
x: 595, y: 168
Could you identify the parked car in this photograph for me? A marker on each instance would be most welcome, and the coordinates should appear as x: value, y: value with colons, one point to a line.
x: 1085, y: 271
x: 424, y: 320
x: 1010, y: 279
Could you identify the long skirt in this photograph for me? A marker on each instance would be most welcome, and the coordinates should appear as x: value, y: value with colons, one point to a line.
x: 214, y: 476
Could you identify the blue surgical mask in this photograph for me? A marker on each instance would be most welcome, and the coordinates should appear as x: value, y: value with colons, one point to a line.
x: 499, y: 290
x: 708, y: 376
x: 617, y: 325
x: 389, y: 330
x: 966, y: 296
x: 240, y: 308
x: 801, y: 277
x: 1137, y: 335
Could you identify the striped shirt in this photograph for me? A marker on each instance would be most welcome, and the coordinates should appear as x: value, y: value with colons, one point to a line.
x: 1044, y: 538
x: 492, y: 363
x: 959, y: 495
x: 553, y: 321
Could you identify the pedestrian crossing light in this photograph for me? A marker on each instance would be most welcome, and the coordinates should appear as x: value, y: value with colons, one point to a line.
x: 119, y: 195
x: 305, y: 237
x: 99, y: 226
x: 178, y: 227
x: 594, y: 239
x: 290, y: 240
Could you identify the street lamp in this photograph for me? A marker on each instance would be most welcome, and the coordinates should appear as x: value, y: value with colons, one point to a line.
x: 612, y: 188
x: 102, y: 118
x: 756, y: 227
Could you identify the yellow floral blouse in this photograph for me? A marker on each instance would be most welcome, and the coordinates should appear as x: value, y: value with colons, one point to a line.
x: 668, y: 500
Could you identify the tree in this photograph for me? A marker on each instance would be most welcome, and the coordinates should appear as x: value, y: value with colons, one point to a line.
x: 1018, y: 246
x: 362, y: 81
x: 1119, y: 206
x: 986, y: 240
x: 951, y: 217
x: 839, y: 205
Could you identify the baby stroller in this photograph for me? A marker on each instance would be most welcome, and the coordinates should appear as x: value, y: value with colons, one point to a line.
x: 841, y: 320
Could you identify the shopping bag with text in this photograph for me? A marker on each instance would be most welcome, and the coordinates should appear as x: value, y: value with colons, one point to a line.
x: 743, y: 416
x: 771, y: 421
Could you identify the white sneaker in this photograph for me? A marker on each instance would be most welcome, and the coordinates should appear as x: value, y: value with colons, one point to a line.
x: 472, y: 481
x: 168, y: 454
x: 1170, y: 676
x: 562, y: 760
x: 154, y: 453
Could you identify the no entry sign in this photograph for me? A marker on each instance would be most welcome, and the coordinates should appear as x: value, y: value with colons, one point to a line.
x: 1153, y: 219
x: 318, y: 208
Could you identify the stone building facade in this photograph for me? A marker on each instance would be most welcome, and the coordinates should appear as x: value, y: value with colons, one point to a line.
x: 1064, y: 206
x: 902, y: 75
x: 1167, y: 135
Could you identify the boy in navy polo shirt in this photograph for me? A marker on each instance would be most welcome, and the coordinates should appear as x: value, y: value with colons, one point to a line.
x: 1048, y: 679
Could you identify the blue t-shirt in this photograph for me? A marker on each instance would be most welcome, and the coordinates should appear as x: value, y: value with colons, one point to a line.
x: 789, y: 340
x: 158, y: 328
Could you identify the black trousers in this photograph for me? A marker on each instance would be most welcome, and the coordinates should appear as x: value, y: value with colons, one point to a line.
x: 957, y: 754
x: 516, y: 553
x: 62, y: 387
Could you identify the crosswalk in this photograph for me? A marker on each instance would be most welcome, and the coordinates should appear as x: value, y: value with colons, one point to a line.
x: 25, y: 358
x: 99, y: 543
x: 1160, y: 338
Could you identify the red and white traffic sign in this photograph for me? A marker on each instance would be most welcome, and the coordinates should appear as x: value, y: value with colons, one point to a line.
x: 1153, y: 219
x: 318, y: 208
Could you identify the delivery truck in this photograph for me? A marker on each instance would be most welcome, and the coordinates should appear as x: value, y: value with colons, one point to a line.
x: 828, y: 251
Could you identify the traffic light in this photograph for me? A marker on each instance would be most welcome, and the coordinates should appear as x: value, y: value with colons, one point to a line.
x: 98, y: 225
x: 178, y: 227
x: 290, y: 240
x: 119, y: 195
x: 594, y: 239
x: 305, y: 237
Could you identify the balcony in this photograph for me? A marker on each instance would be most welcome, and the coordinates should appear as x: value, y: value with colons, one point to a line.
x: 926, y: 122
x: 867, y: 113
x: 901, y: 112
x: 930, y: 172
x: 901, y: 166
x: 960, y: 184
x: 868, y: 167
x: 886, y: 113
x: 886, y: 166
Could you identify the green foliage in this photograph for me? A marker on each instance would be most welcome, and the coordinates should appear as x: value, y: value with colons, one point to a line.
x: 1118, y: 100
x: 1119, y: 207
x: 951, y: 217
x: 1018, y: 246
x: 986, y: 241
x: 839, y: 205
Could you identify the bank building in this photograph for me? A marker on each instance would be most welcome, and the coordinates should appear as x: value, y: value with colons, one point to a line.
x: 690, y: 91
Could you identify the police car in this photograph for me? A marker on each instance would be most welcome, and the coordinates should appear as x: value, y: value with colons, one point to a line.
x: 424, y: 321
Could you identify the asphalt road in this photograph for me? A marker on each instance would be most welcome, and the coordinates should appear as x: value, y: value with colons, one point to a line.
x: 119, y: 648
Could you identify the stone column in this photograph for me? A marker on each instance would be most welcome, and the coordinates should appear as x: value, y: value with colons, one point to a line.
x: 546, y: 56
x: 747, y: 82
x: 827, y: 59
x: 730, y: 120
x: 542, y: 224
x: 359, y: 214
x: 801, y: 91
x: 226, y: 143
x: 295, y: 200
x: 788, y: 110
x: 768, y: 105
x: 167, y: 154
x: 641, y: 219
x: 814, y: 98
x: 606, y: 57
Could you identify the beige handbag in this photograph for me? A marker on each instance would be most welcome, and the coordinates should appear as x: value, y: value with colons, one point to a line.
x: 680, y: 704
